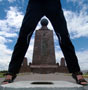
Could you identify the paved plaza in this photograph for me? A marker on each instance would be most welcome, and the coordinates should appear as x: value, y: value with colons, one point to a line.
x: 45, y: 77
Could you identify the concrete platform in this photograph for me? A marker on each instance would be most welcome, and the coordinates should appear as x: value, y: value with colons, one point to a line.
x: 41, y: 85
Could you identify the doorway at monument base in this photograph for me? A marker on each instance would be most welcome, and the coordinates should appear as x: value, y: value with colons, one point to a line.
x: 44, y: 68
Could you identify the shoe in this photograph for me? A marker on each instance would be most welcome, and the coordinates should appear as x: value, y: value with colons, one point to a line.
x: 6, y: 81
x: 79, y: 81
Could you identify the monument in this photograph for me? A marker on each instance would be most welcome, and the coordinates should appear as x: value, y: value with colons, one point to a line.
x: 44, y: 54
x: 44, y: 60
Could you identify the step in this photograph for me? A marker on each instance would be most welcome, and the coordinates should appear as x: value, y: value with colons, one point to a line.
x: 41, y: 85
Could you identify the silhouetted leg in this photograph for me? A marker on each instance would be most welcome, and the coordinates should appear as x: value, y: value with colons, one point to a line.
x: 33, y: 15
x: 55, y: 14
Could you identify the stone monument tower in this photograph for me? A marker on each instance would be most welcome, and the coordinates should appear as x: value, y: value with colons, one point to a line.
x: 44, y: 60
x: 44, y: 53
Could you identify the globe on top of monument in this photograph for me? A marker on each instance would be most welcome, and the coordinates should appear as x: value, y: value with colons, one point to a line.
x: 44, y: 22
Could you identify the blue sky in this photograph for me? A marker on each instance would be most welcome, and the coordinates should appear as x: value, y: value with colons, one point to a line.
x: 11, y: 16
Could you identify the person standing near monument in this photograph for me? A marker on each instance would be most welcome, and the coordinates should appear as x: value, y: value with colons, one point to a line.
x: 36, y: 9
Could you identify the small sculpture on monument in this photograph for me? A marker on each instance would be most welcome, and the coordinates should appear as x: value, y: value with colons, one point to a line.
x: 44, y: 22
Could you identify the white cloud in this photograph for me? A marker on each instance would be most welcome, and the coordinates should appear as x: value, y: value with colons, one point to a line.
x: 80, y: 2
x: 74, y: 1
x: 77, y: 23
x: 11, y: 0
x: 21, y: 2
x: 83, y: 59
x: 11, y: 24
x: 78, y: 20
x: 8, y: 29
x: 14, y: 17
x: 4, y: 54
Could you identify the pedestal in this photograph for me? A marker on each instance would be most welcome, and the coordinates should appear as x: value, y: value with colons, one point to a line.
x: 41, y: 85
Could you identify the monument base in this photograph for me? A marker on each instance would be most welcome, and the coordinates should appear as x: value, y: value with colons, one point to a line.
x: 41, y: 85
x: 43, y: 69
x: 46, y: 69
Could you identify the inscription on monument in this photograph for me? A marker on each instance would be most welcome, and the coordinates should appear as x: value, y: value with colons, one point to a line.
x: 44, y: 46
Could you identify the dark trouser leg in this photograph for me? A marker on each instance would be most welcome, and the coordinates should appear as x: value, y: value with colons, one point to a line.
x: 58, y: 21
x: 33, y: 15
